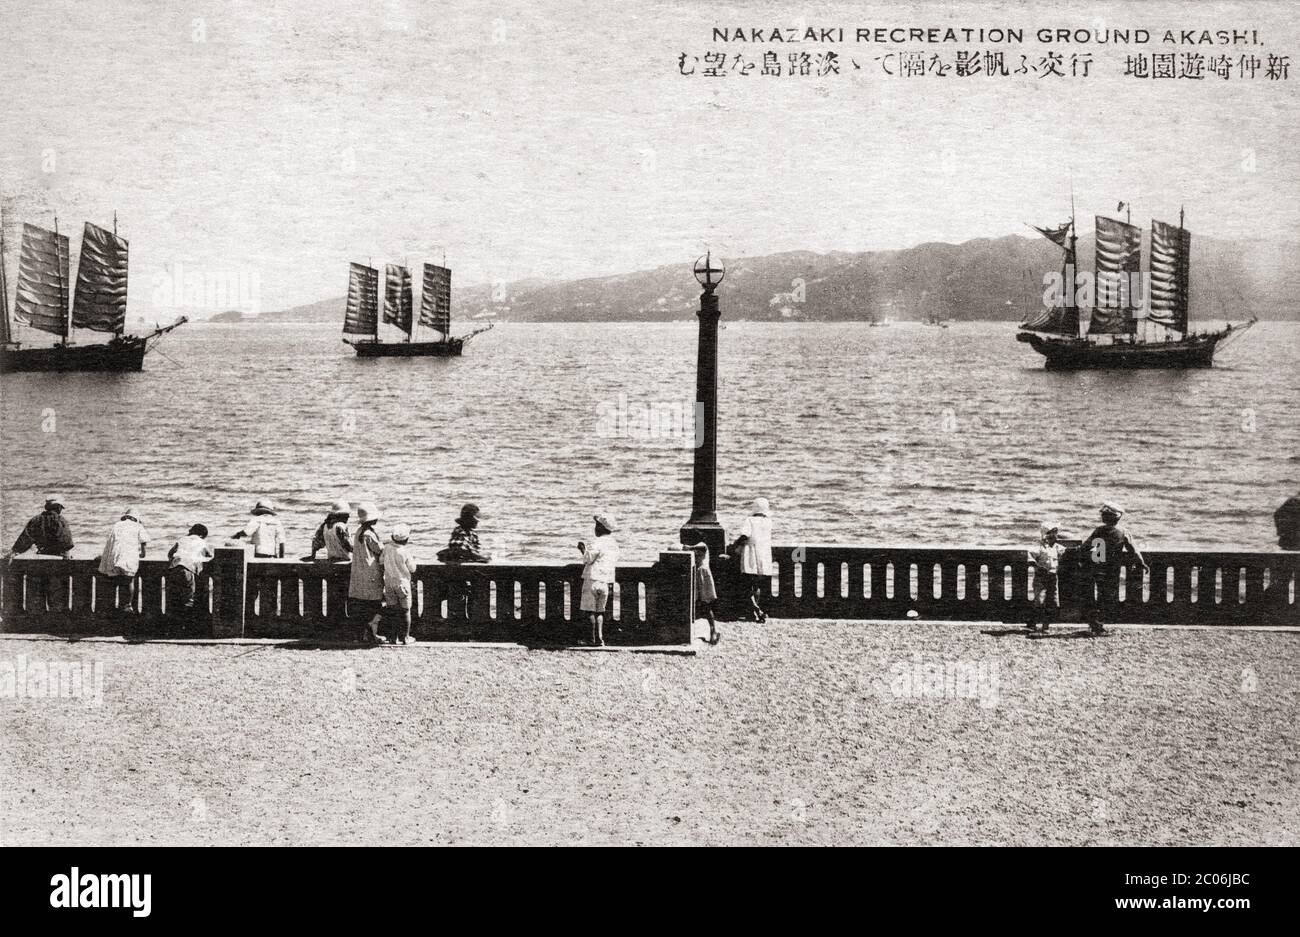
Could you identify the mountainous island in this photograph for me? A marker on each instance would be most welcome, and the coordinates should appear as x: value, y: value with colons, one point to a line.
x: 985, y: 278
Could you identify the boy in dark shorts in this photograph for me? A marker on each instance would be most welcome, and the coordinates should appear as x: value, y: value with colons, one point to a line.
x: 187, y: 557
x: 1105, y: 553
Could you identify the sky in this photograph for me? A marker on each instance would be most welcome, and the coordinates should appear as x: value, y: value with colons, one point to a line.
x: 277, y: 141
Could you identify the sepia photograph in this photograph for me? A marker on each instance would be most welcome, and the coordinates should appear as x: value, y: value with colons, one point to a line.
x: 659, y: 423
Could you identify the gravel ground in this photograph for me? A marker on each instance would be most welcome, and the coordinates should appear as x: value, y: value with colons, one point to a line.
x: 808, y: 732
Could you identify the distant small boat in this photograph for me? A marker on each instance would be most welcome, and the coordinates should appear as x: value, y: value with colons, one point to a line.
x: 362, y: 315
x: 1114, y: 339
x: 98, y: 304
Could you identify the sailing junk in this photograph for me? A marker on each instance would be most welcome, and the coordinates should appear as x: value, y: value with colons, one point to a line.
x: 1116, y: 336
x: 98, y: 303
x: 362, y: 315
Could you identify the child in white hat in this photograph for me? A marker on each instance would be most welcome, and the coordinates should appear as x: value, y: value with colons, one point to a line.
x: 398, y: 564
x: 600, y: 558
x: 1046, y: 558
x: 264, y: 530
x: 366, y: 576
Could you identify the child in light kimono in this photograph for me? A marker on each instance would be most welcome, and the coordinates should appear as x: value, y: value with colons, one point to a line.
x: 120, y: 560
x: 706, y: 591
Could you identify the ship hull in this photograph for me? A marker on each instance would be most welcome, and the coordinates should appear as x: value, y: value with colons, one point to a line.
x: 126, y: 354
x: 451, y: 348
x: 1077, y: 354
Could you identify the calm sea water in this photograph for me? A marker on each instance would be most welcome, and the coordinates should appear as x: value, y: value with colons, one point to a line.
x: 904, y: 434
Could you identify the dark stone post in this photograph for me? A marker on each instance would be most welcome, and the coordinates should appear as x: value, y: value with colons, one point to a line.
x: 703, y: 527
x: 229, y: 569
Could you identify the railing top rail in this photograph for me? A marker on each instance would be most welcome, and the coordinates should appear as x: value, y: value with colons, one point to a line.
x: 323, y: 565
x: 434, y: 564
x: 968, y: 548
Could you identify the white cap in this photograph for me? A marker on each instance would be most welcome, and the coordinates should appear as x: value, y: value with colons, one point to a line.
x: 401, y: 533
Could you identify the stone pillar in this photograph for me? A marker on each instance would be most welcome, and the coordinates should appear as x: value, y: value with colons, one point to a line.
x: 703, y: 526
x: 670, y: 602
x: 229, y: 570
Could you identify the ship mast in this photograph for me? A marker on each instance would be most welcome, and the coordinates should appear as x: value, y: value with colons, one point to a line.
x: 5, y: 326
x: 1186, y: 275
x: 1071, y: 263
x: 63, y: 288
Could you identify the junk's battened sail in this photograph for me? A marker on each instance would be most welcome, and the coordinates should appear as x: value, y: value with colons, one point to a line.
x: 42, y: 296
x: 435, y: 301
x: 1119, y: 259
x: 363, y: 301
x: 99, y: 302
x: 397, y: 297
x: 1061, y: 318
x: 1171, y: 249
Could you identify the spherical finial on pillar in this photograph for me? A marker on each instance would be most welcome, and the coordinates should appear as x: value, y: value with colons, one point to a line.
x: 708, y: 275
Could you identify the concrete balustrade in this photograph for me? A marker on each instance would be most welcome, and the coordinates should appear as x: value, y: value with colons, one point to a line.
x: 959, y: 583
x: 240, y: 596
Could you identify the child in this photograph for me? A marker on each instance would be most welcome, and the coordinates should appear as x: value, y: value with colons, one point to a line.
x: 1104, y: 554
x: 332, y: 535
x: 399, y: 564
x: 124, y: 547
x: 187, y: 557
x: 264, y: 531
x: 120, y: 560
x: 463, y: 546
x: 706, y: 592
x: 366, y: 576
x: 754, y: 545
x: 600, y: 558
x: 1047, y: 563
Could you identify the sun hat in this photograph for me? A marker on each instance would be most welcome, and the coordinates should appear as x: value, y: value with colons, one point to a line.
x: 368, y: 511
x: 471, y: 510
x: 606, y: 521
x: 1110, y: 507
x: 401, y: 533
x: 340, y: 507
x: 1046, y: 527
x: 263, y: 506
x: 760, y: 506
x: 130, y: 515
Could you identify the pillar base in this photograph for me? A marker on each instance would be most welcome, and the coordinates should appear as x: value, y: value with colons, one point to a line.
x: 710, y: 533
